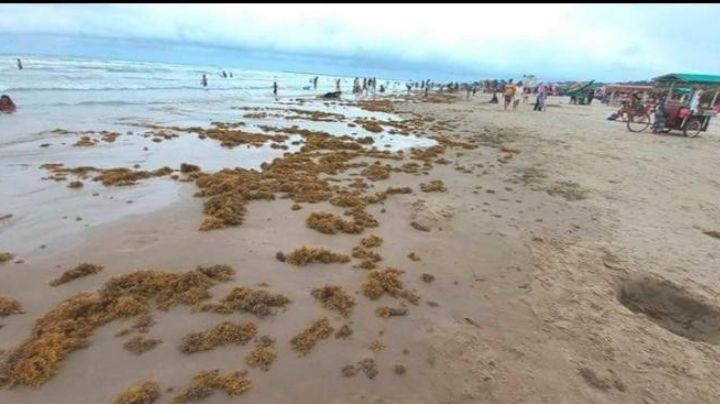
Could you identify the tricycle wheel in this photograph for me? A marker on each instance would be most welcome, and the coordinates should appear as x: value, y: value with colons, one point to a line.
x: 693, y: 128
x: 638, y: 123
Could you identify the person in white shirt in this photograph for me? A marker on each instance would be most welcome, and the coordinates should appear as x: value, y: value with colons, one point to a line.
x: 519, y: 92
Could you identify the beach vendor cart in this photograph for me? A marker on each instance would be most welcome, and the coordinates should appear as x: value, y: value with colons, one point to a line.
x: 676, y: 111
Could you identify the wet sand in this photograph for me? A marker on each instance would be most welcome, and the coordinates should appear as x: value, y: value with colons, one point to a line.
x: 528, y: 269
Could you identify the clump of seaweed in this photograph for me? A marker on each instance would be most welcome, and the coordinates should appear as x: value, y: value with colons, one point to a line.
x: 334, y: 298
x: 376, y: 172
x: 263, y: 355
x: 306, y: 255
x: 304, y: 342
x: 223, y: 210
x: 343, y: 332
x: 386, y: 311
x: 376, y: 346
x: 9, y: 306
x: 85, y: 141
x: 68, y: 326
x: 206, y: 382
x: 365, y: 254
x: 144, y: 392
x: 433, y: 186
x: 427, y: 278
x: 187, y: 168
x: 247, y: 300
x: 224, y: 333
x: 125, y: 176
x: 75, y: 184
x: 6, y: 256
x: 371, y: 241
x: 387, y: 281
x: 140, y: 344
x: 399, y: 369
x: 376, y: 105
x: 329, y: 223
x: 79, y: 271
x: 370, y: 125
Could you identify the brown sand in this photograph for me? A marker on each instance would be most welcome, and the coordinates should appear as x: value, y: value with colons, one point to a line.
x: 583, y: 276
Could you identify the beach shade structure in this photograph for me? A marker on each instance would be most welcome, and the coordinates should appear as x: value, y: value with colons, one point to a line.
x: 579, y: 88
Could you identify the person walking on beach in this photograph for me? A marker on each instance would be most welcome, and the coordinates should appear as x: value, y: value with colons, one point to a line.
x: 508, y: 93
x: 275, y: 88
x: 518, y: 95
x: 204, y: 80
x: 19, y: 64
x: 6, y: 104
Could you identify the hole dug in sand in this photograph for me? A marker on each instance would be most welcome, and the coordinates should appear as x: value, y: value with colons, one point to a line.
x: 673, y: 308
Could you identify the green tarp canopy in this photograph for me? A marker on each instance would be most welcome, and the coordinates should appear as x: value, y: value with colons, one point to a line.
x: 690, y: 78
x: 578, y: 88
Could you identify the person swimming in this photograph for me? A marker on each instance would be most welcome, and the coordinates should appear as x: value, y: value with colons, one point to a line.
x: 6, y: 104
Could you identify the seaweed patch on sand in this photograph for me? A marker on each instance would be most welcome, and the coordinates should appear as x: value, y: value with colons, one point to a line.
x: 68, y: 326
x: 9, y: 306
x: 305, y: 341
x: 140, y: 344
x: 334, y: 298
x: 263, y: 355
x: 306, y: 255
x: 371, y: 241
x: 433, y: 186
x: 79, y: 271
x: 387, y: 281
x: 224, y: 333
x: 328, y: 223
x: 6, y: 256
x: 248, y: 300
x: 207, y: 382
x: 144, y: 392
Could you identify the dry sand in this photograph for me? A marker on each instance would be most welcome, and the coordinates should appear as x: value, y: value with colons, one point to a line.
x: 534, y: 250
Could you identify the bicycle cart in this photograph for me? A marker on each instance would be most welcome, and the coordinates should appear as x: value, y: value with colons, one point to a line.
x: 676, y: 114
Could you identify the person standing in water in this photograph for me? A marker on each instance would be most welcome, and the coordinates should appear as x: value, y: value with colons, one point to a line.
x: 19, y: 64
x: 275, y: 88
x: 337, y: 85
x: 204, y: 80
x: 7, y: 104
x: 315, y: 80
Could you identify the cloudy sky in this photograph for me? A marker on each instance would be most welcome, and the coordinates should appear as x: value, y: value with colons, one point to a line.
x: 558, y: 41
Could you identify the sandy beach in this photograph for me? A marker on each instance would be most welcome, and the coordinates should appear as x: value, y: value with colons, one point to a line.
x: 563, y: 260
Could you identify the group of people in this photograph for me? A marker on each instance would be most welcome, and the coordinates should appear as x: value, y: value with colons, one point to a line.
x: 514, y: 93
x: 368, y: 84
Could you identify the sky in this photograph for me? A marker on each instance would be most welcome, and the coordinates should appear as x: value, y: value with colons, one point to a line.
x: 605, y: 42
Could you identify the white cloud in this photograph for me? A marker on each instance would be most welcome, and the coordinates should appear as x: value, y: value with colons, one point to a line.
x: 517, y: 38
